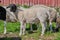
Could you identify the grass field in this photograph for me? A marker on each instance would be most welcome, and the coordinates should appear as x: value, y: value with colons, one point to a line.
x: 14, y: 29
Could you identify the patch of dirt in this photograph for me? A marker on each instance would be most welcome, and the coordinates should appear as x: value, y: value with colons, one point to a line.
x: 10, y: 36
x: 28, y: 38
x: 50, y: 37
x: 2, y: 36
x: 14, y: 36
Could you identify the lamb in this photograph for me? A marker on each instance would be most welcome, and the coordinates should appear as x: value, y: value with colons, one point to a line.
x: 42, y: 13
x: 3, y: 17
x: 4, y: 13
x: 34, y: 13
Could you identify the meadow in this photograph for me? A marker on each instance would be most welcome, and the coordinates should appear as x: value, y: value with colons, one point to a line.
x: 13, y: 28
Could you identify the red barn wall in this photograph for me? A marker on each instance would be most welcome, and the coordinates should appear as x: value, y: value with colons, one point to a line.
x: 54, y: 3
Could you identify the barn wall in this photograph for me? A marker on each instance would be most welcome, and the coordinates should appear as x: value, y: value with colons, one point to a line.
x: 54, y: 3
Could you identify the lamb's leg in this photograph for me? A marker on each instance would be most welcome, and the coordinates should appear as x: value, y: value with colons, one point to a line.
x: 24, y: 28
x: 50, y: 24
x: 43, y: 27
x: 21, y: 28
x: 4, y: 27
x: 31, y: 29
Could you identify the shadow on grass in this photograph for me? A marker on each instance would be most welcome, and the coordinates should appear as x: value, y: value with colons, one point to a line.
x: 10, y: 38
x: 34, y: 27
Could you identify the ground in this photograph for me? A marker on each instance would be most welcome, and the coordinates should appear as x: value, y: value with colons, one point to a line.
x: 13, y: 31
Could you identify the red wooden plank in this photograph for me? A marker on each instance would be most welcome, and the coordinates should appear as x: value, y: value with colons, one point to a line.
x: 32, y: 2
x: 59, y: 3
x: 27, y: 2
x: 51, y: 3
x: 1, y: 2
x: 14, y: 1
x: 6, y: 2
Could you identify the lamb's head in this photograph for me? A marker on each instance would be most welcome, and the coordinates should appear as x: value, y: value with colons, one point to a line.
x: 12, y: 7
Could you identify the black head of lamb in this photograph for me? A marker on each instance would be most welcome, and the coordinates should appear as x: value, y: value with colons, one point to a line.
x: 12, y: 7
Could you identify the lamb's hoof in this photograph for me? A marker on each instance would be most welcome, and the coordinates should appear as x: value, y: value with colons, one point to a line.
x: 42, y: 35
x: 4, y: 32
x: 23, y: 33
x: 20, y: 34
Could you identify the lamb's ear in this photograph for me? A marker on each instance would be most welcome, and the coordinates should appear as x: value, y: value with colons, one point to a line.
x: 7, y: 6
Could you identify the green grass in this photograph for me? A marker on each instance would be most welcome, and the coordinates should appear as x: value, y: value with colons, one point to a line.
x: 14, y: 27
